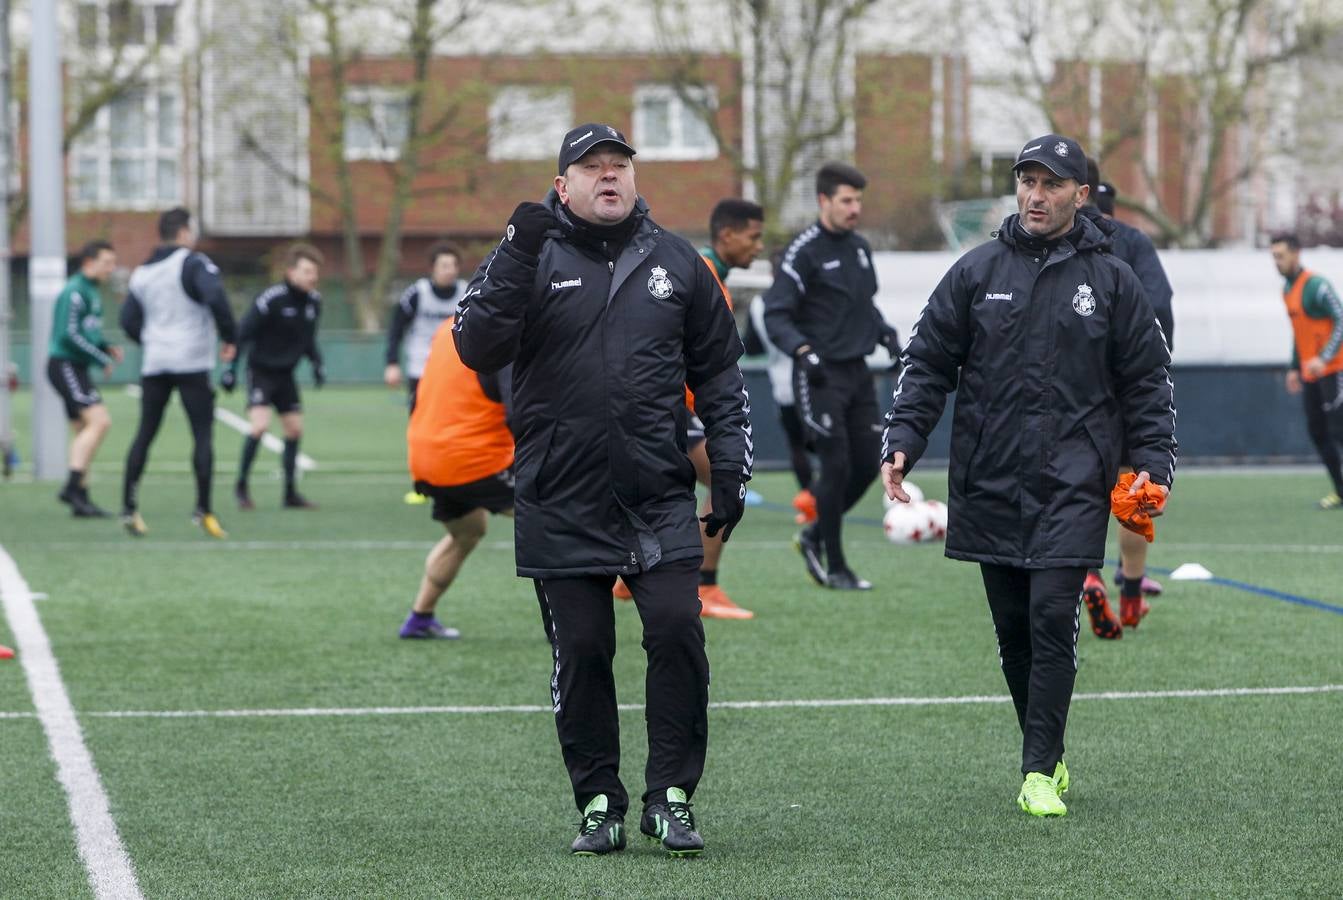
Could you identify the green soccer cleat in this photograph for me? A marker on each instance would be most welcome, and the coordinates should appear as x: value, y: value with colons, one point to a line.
x: 1061, y: 778
x: 600, y: 832
x: 1040, y: 796
x: 673, y: 825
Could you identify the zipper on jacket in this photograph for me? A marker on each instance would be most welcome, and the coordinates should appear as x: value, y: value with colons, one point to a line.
x: 611, y: 266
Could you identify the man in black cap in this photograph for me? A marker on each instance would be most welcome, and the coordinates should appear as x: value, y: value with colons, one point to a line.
x: 1056, y: 359
x: 607, y: 318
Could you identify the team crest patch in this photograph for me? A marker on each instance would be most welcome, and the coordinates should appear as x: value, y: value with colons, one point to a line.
x: 659, y: 285
x: 1061, y: 148
x: 1084, y: 302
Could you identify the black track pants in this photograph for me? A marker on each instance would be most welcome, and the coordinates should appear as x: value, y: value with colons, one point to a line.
x: 1323, y: 401
x: 579, y: 617
x: 844, y: 427
x: 1035, y: 613
x: 198, y: 398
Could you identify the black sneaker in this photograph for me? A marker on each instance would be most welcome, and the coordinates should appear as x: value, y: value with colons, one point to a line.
x: 808, y: 543
x: 67, y: 496
x: 84, y: 508
x: 600, y: 832
x: 243, y: 496
x: 672, y: 823
x: 845, y: 580
x: 298, y: 501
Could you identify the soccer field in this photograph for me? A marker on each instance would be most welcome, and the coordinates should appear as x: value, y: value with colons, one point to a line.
x: 259, y: 730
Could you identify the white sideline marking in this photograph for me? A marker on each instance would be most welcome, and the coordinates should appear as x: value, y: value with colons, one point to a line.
x: 242, y: 426
x: 336, y: 711
x: 111, y: 873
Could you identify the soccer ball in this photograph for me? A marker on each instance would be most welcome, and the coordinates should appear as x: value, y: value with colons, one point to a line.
x: 937, y: 518
x: 905, y: 523
x: 915, y: 523
x: 914, y: 491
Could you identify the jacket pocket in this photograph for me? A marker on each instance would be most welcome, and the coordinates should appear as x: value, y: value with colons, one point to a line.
x: 967, y: 466
x: 1107, y: 449
x: 534, y: 450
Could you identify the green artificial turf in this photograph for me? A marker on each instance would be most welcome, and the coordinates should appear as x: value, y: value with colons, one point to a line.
x: 1176, y: 796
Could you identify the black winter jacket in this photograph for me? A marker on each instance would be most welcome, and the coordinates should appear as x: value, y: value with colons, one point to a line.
x: 822, y: 296
x: 603, y: 349
x: 1136, y: 249
x: 1059, y: 359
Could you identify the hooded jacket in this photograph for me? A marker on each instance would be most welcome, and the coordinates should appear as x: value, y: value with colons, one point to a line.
x: 1055, y: 355
x: 1136, y: 249
x: 604, y: 341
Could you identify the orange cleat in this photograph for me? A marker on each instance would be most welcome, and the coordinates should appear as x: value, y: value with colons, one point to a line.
x: 1103, y: 621
x: 5, y: 652
x: 1132, y: 610
x: 805, y: 504
x: 716, y: 604
x: 621, y: 591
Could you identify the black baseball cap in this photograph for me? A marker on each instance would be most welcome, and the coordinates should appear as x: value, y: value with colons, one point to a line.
x: 580, y: 140
x: 1105, y: 197
x: 1061, y: 155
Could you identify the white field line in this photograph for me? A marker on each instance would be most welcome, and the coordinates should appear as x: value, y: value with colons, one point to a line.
x: 110, y: 871
x: 242, y: 426
x: 841, y: 703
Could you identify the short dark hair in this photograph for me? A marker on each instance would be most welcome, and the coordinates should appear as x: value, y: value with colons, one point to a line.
x: 90, y: 251
x: 299, y: 252
x: 173, y: 221
x: 735, y: 213
x: 834, y: 174
x: 1286, y: 237
x: 1093, y: 177
x: 443, y: 248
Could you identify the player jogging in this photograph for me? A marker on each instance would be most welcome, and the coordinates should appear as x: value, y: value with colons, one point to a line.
x: 461, y: 457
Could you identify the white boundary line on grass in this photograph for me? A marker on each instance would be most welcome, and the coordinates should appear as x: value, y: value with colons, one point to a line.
x: 840, y: 703
x: 110, y: 871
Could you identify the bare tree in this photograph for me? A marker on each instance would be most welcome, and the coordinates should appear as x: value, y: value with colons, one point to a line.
x: 796, y: 85
x: 1200, y: 71
x: 416, y: 26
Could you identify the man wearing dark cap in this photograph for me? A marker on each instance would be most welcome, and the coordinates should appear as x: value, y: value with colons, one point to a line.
x: 607, y: 318
x: 1057, y: 360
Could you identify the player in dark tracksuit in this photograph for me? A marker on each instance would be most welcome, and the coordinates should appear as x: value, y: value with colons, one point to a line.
x: 820, y: 310
x: 607, y: 319
x: 277, y: 331
x: 1056, y: 359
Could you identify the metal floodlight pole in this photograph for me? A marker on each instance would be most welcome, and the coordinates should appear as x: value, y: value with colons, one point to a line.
x: 46, y: 262
x: 6, y: 167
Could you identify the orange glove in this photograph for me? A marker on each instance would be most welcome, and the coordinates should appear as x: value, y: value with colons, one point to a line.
x: 1133, y: 510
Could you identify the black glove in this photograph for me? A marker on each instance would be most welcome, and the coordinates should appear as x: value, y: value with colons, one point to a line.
x: 318, y: 375
x: 228, y: 380
x: 890, y: 339
x: 527, y: 227
x: 809, y: 364
x: 728, y: 496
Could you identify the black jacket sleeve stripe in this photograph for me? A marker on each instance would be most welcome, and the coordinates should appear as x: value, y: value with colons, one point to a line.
x: 712, y: 350
x: 490, y: 319
x: 1143, y: 384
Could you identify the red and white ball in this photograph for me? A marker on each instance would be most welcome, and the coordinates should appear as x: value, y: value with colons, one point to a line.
x: 915, y: 523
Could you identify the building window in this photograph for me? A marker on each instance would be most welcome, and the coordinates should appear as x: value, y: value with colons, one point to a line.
x: 125, y: 23
x: 668, y: 127
x: 377, y: 123
x: 527, y: 122
x: 130, y: 158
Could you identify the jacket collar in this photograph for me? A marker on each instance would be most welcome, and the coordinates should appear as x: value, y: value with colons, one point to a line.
x: 1085, y: 235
